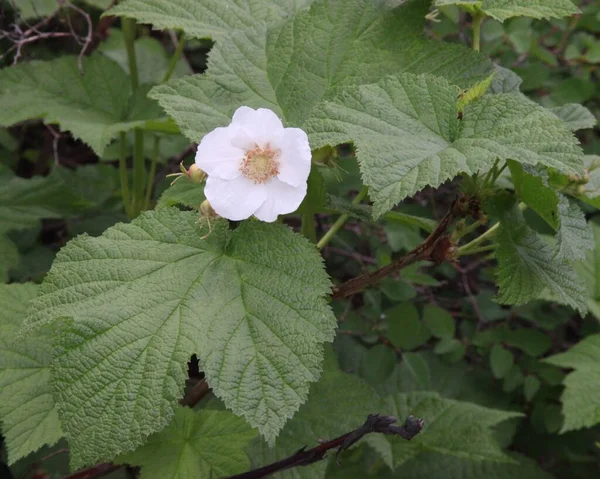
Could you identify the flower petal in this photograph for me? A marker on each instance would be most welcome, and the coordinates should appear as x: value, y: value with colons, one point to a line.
x: 281, y: 199
x: 263, y: 125
x: 236, y: 199
x: 216, y: 155
x: 294, y: 162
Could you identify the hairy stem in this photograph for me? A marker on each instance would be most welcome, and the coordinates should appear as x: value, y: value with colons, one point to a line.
x: 477, y: 20
x: 175, y: 58
x: 129, y: 34
x: 123, y: 174
x: 341, y: 220
x: 150, y: 182
x: 308, y: 226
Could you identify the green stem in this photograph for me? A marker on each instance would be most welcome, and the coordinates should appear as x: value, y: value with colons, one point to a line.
x: 498, y: 173
x: 128, y: 25
x: 150, y: 182
x: 175, y: 58
x: 139, y: 171
x: 308, y: 226
x: 341, y: 220
x: 123, y: 174
x: 480, y: 249
x: 473, y: 245
x: 477, y: 20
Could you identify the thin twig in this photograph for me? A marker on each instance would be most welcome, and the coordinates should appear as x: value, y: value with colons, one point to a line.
x: 374, y: 423
x: 93, y: 472
x: 88, y: 37
x: 434, y: 248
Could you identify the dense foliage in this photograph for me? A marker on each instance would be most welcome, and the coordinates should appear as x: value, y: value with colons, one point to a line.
x: 442, y: 263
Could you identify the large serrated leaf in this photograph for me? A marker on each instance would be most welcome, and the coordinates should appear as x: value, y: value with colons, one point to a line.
x: 291, y: 67
x: 453, y: 428
x: 201, y: 445
x: 94, y: 107
x: 206, y: 18
x: 27, y: 411
x: 408, y: 135
x: 145, y: 296
x: 581, y: 397
x: 528, y: 269
x: 576, y: 117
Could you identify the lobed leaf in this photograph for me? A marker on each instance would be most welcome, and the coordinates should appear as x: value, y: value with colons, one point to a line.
x: 505, y: 9
x: 27, y: 411
x: 200, y: 444
x: 94, y: 107
x: 145, y: 296
x: 408, y: 135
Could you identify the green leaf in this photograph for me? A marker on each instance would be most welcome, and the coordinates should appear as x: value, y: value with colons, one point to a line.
x: 151, y: 57
x: 405, y: 328
x: 94, y: 107
x: 337, y: 403
x: 531, y: 386
x: 408, y: 135
x: 581, y: 397
x: 23, y: 202
x: 533, y: 342
x: 200, y: 444
x: 589, y: 271
x: 30, y: 9
x: 27, y: 410
x: 577, y: 117
x: 453, y: 428
x: 310, y: 57
x: 528, y: 269
x: 145, y: 296
x: 403, y: 218
x: 574, y: 235
x: 9, y: 257
x: 439, y: 321
x: 183, y: 192
x: 501, y: 361
x: 440, y: 466
x: 504, y: 9
x: 209, y: 18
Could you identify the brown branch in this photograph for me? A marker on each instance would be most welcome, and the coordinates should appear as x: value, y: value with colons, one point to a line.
x: 195, y: 394
x: 435, y: 248
x: 374, y: 423
x: 98, y: 470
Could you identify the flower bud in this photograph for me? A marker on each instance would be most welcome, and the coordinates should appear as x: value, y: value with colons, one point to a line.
x: 195, y: 174
x: 206, y: 210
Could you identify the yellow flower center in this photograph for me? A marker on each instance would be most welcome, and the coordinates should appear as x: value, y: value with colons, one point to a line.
x: 260, y: 164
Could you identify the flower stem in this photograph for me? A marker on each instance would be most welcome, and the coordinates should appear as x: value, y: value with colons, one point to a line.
x: 150, y: 182
x: 139, y: 170
x: 129, y: 34
x: 308, y: 226
x: 175, y: 58
x: 123, y: 174
x: 473, y: 246
x: 477, y: 21
x: 341, y: 220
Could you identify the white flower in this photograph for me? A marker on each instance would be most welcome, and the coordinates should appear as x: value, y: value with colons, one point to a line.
x: 255, y: 166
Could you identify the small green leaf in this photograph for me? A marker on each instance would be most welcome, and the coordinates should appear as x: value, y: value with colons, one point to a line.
x: 439, y: 321
x: 147, y: 295
x: 468, y: 424
x: 531, y: 386
x: 200, y: 444
x: 182, y: 192
x: 501, y: 361
x: 405, y: 329
x: 581, y: 397
x: 513, y: 379
x: 533, y: 342
x: 27, y: 410
x: 504, y: 9
x: 94, y: 107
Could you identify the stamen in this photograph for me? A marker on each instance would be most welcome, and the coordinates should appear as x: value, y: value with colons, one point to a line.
x: 260, y: 164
